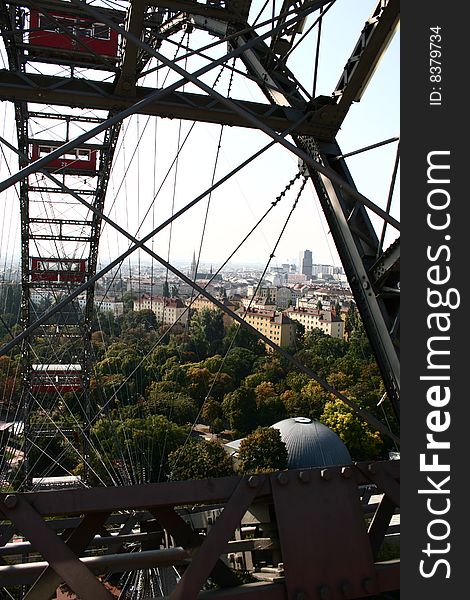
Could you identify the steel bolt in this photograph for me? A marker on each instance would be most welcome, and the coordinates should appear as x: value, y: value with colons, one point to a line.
x: 324, y: 592
x: 10, y: 501
x: 346, y: 472
x: 304, y: 476
x: 283, y: 478
x: 253, y: 481
x: 325, y: 474
x: 365, y: 285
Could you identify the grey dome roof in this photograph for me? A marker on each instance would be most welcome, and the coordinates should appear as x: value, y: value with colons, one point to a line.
x: 309, y: 443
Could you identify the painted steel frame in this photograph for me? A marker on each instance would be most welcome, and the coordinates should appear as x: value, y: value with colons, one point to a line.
x: 343, y: 209
x: 309, y: 505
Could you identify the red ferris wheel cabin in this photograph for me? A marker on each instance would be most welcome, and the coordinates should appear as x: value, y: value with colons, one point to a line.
x: 56, y: 378
x: 70, y: 32
x: 76, y: 160
x: 59, y: 270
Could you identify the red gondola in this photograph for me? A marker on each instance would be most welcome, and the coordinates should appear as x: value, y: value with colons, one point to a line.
x: 78, y: 159
x: 60, y: 270
x: 56, y: 378
x: 69, y: 32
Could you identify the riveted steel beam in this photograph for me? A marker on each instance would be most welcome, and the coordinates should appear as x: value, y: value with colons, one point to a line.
x: 175, y: 105
x: 372, y: 43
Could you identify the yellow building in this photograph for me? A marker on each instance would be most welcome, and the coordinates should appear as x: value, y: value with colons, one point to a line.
x: 273, y: 324
x: 201, y: 302
x: 312, y: 318
x: 167, y: 310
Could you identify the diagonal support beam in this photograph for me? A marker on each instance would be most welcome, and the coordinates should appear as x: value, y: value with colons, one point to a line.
x: 366, y: 415
x: 194, y: 78
x: 59, y: 556
x: 380, y: 523
x: 374, y: 39
x: 78, y: 541
x: 215, y: 542
x: 187, y: 538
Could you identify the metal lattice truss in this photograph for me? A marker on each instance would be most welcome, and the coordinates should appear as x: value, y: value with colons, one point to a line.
x: 313, y: 124
x: 309, y: 505
x: 70, y: 100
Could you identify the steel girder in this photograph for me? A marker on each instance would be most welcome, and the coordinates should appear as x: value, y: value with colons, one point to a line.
x: 355, y: 238
x: 360, y: 250
x: 78, y: 93
x: 363, y: 577
x: 309, y: 505
x: 78, y: 332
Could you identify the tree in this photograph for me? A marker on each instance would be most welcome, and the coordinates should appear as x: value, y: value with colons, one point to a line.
x: 240, y: 410
x: 199, y: 459
x: 128, y: 300
x: 106, y: 322
x: 269, y: 405
x: 10, y: 383
x: 262, y: 451
x: 213, y: 363
x: 212, y: 414
x: 361, y: 440
x: 299, y: 334
x: 296, y: 381
x: 10, y: 299
x: 134, y: 450
x: 238, y: 336
x: 239, y: 363
x: 166, y: 290
x: 359, y: 345
x: 316, y: 396
x: 271, y: 367
x: 175, y: 406
x: 321, y: 352
x: 124, y: 359
x: 207, y: 332
x: 351, y: 319
x: 300, y: 404
x: 145, y: 320
x: 53, y: 455
x: 198, y: 381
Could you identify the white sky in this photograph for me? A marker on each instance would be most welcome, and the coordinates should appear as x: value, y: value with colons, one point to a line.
x: 237, y: 205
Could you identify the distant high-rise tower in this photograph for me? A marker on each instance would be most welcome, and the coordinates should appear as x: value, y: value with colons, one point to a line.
x: 306, y: 263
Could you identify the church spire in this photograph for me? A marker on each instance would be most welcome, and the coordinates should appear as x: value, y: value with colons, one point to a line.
x: 193, y: 267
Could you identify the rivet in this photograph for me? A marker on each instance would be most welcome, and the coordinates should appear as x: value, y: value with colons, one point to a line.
x: 365, y: 285
x: 253, y: 481
x: 324, y: 592
x: 10, y: 501
x: 372, y: 468
x: 304, y: 476
x: 325, y: 474
x: 346, y: 472
x: 283, y: 478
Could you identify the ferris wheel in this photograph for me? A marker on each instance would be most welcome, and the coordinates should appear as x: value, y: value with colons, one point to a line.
x: 150, y: 129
